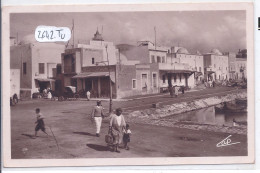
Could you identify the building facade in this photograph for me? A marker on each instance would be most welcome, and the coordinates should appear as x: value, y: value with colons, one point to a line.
x: 231, y: 64
x: 241, y: 68
x: 37, y: 63
x: 216, y: 66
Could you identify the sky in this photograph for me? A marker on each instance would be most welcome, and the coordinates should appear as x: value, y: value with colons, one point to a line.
x: 194, y: 30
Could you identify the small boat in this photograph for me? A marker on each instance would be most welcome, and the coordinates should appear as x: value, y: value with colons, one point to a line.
x: 237, y: 123
x: 241, y: 101
x: 230, y: 107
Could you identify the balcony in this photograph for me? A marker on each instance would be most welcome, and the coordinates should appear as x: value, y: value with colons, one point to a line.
x: 174, y: 66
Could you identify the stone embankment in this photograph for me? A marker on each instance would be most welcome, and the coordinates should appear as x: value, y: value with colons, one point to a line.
x: 155, y: 115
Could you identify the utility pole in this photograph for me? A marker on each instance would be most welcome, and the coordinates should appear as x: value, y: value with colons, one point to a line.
x: 110, y: 84
x: 73, y: 33
x: 155, y: 37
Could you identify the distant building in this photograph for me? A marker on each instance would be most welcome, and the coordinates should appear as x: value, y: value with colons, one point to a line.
x: 216, y: 65
x: 37, y: 63
x: 194, y: 61
x: 241, y: 70
x: 158, y: 68
x: 242, y: 53
x: 231, y: 64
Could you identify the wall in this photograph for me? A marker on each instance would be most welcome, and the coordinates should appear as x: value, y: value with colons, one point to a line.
x: 220, y: 66
x: 241, y: 62
x: 125, y: 76
x: 156, y: 54
x: 44, y: 53
x: 207, y: 60
x: 88, y: 54
x: 18, y: 55
x: 99, y: 50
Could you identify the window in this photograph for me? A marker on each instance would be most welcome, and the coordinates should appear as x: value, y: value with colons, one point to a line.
x: 144, y: 82
x: 163, y: 78
x: 200, y: 69
x: 152, y: 59
x: 24, y: 68
x: 158, y: 59
x: 163, y: 59
x: 134, y: 83
x: 93, y: 60
x: 41, y: 68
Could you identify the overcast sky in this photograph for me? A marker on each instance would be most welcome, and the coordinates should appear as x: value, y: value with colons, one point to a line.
x: 201, y: 30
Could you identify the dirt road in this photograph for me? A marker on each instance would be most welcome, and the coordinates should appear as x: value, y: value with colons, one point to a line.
x: 75, y: 134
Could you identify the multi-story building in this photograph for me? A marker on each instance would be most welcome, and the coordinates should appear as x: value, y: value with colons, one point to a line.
x: 231, y: 64
x: 216, y: 65
x: 194, y: 61
x: 37, y: 63
x: 86, y: 67
x: 241, y: 70
x: 158, y: 68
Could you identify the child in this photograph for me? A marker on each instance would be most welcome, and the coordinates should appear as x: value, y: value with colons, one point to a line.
x: 126, y: 137
x: 39, y: 123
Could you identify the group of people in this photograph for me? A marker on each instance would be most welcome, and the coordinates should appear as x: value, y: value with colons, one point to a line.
x: 174, y: 90
x: 118, y: 128
x: 210, y: 83
x: 46, y: 93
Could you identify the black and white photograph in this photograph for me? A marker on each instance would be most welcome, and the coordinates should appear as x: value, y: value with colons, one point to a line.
x: 129, y: 85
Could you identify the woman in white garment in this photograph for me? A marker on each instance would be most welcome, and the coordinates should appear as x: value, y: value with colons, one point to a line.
x: 117, y: 124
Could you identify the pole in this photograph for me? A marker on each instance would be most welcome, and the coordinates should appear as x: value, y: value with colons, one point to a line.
x: 155, y: 37
x: 73, y: 34
x: 110, y: 84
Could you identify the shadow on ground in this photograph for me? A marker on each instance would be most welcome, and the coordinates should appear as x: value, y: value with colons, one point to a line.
x: 98, y: 147
x: 28, y: 135
x: 84, y: 133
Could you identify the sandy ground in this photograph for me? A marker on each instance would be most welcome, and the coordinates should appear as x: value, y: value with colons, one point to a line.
x: 75, y: 134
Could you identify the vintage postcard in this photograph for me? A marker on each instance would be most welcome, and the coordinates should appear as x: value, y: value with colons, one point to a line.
x: 143, y: 84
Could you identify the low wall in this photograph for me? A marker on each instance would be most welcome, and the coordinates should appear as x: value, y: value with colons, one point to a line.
x: 177, y: 108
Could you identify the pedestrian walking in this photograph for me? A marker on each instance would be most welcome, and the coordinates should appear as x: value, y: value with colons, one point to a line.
x: 126, y: 137
x: 116, y: 126
x: 97, y: 115
x: 88, y: 95
x: 182, y: 89
x: 39, y: 122
x: 176, y: 90
x: 170, y: 90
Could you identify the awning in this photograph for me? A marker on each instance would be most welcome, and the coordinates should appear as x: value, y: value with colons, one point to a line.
x: 178, y: 71
x: 44, y: 80
x: 95, y: 74
x: 197, y: 74
x: 210, y: 72
x: 81, y: 75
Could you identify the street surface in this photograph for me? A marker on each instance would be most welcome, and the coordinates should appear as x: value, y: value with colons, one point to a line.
x: 75, y: 133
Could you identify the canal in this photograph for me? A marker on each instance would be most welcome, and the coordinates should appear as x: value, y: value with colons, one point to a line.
x: 210, y: 116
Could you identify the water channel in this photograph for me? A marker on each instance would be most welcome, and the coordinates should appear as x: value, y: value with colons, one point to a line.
x: 210, y: 116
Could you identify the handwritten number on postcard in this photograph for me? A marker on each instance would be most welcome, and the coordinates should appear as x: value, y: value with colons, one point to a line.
x: 52, y: 34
